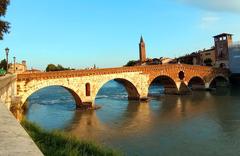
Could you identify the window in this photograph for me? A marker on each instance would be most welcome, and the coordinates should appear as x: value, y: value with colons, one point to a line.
x: 87, y: 86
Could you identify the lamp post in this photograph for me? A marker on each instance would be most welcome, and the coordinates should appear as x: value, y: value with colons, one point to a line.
x: 14, y: 65
x: 7, y: 52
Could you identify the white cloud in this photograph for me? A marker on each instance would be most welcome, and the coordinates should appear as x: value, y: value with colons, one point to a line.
x: 209, y: 21
x: 215, y: 5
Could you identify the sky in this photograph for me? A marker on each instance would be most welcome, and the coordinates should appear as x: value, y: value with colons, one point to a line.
x: 81, y: 33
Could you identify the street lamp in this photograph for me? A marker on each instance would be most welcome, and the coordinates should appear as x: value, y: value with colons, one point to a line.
x: 7, y: 51
x: 14, y: 65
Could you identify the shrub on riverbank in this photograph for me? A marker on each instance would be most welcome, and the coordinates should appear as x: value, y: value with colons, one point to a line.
x: 57, y: 143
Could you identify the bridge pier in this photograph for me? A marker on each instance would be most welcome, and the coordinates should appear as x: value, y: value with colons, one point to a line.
x: 182, y: 88
x: 207, y: 86
x: 145, y: 98
x: 170, y: 90
x: 85, y: 106
x: 141, y: 98
x: 198, y: 87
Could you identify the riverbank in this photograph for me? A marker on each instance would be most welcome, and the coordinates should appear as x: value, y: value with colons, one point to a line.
x: 56, y: 143
x: 14, y: 139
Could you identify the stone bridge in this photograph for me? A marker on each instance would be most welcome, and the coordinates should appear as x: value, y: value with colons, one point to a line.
x: 85, y: 84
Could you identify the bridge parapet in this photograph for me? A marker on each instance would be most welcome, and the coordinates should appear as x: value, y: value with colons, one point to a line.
x: 104, y: 71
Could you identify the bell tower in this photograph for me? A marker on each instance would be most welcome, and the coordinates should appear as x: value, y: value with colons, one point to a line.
x: 222, y: 43
x: 142, y: 51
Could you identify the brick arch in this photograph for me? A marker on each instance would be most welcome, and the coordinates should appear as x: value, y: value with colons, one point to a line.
x: 196, y: 76
x: 218, y: 76
x: 168, y: 82
x: 196, y: 82
x: 40, y: 86
x: 130, y: 86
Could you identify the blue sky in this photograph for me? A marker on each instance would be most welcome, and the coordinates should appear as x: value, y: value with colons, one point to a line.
x: 81, y: 33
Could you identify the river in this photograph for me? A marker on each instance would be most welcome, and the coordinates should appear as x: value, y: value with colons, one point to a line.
x: 203, y: 123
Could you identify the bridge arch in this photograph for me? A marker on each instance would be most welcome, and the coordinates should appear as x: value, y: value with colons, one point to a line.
x: 170, y: 86
x: 38, y: 87
x: 130, y: 86
x: 196, y: 83
x: 218, y: 81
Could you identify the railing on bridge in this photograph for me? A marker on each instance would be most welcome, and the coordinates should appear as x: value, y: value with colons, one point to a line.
x: 103, y: 71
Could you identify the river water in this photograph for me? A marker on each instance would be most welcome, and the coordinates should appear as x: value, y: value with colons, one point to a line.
x: 201, y: 124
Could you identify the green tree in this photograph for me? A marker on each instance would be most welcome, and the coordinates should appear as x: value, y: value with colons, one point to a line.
x: 4, y: 26
x: 131, y: 63
x: 51, y: 67
x: 3, y: 64
x: 60, y: 67
x: 208, y: 62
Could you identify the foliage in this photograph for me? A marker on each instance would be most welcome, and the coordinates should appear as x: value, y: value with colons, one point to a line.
x: 3, y: 64
x: 2, y: 72
x: 60, y: 144
x: 130, y: 63
x: 4, y: 26
x: 208, y: 62
x: 52, y: 67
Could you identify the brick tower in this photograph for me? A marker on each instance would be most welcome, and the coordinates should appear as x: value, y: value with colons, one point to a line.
x: 142, y: 51
x: 222, y: 43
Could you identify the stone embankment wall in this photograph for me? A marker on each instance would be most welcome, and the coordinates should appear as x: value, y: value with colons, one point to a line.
x: 8, y: 89
x: 14, y: 139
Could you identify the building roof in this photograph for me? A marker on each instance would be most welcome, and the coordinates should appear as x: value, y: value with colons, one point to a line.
x: 206, y: 50
x: 223, y: 34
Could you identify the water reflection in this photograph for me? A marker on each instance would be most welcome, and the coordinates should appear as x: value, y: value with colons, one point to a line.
x: 198, y: 124
x: 88, y: 124
x: 85, y: 125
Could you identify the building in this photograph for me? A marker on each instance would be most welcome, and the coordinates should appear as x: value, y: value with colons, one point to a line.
x: 17, y: 68
x: 234, y: 58
x: 222, y: 42
x: 206, y: 56
x: 142, y: 51
x: 217, y: 56
x: 33, y: 71
x: 143, y: 60
x: 165, y: 60
x: 193, y: 59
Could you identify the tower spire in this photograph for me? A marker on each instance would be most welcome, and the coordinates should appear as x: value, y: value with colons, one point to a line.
x: 142, y: 51
x: 141, y: 39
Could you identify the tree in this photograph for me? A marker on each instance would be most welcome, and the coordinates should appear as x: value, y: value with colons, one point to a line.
x: 60, y: 67
x: 208, y: 62
x: 131, y: 63
x: 3, y: 64
x: 51, y: 67
x: 4, y: 26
